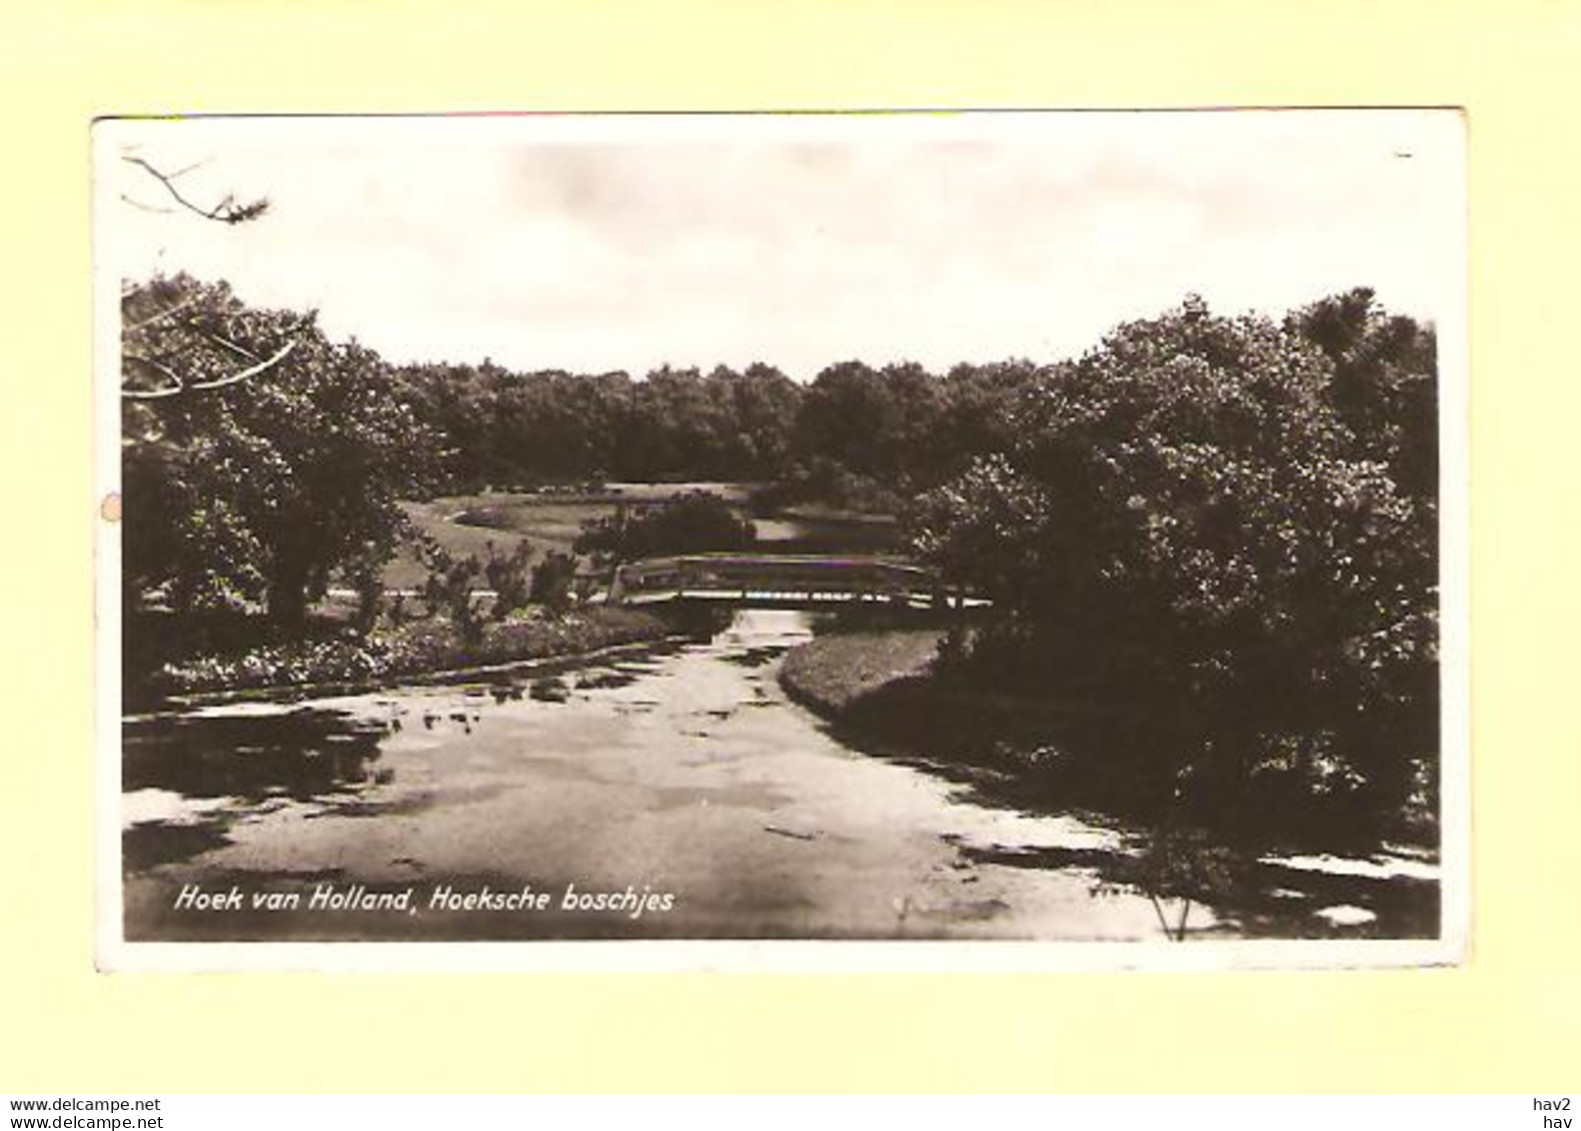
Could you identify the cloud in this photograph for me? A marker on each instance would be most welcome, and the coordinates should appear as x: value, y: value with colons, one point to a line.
x: 593, y: 244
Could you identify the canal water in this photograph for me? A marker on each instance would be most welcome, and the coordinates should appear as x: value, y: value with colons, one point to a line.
x: 676, y: 793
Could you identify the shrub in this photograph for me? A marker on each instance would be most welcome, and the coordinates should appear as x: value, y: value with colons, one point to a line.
x: 507, y: 576
x: 367, y: 580
x: 693, y: 522
x: 552, y: 579
x: 448, y: 589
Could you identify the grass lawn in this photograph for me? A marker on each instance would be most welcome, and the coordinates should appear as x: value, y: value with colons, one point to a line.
x: 466, y: 524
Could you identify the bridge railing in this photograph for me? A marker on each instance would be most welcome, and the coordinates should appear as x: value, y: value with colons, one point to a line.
x: 860, y: 578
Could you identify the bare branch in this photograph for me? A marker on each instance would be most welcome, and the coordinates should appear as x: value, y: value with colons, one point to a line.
x: 239, y: 351
x: 227, y: 211
x: 154, y: 394
x: 187, y: 169
x: 269, y: 363
x: 1159, y: 911
x: 148, y: 207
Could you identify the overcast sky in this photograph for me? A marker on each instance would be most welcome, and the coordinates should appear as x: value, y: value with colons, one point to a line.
x: 592, y: 244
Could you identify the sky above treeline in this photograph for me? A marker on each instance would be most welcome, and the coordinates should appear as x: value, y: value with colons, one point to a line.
x: 600, y: 243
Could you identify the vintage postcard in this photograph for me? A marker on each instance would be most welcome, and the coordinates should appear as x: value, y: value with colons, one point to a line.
x: 983, y: 540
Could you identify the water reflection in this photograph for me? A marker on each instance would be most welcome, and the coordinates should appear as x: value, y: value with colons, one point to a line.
x: 801, y: 535
x: 189, y: 779
x: 300, y: 754
x: 1266, y: 900
x: 551, y: 690
x: 148, y: 844
x: 691, y: 767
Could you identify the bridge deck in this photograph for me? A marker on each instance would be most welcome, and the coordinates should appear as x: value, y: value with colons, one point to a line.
x: 785, y: 580
x: 763, y: 598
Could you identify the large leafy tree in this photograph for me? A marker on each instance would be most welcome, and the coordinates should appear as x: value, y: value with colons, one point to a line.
x: 1186, y: 516
x: 259, y: 459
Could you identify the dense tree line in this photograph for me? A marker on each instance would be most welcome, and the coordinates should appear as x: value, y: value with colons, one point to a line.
x: 854, y: 434
x: 524, y: 429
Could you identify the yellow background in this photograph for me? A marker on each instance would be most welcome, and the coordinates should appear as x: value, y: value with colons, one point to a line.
x: 1508, y: 1020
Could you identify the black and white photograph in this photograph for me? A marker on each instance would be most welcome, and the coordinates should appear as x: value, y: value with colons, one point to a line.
x: 1013, y: 537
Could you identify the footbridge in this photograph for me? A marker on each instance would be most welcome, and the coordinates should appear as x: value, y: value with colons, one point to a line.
x: 786, y: 581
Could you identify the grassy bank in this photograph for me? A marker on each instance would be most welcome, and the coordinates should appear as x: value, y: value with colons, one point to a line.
x: 885, y: 686
x: 337, y: 656
x: 884, y: 683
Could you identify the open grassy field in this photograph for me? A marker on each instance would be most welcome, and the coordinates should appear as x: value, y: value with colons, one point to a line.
x: 548, y: 520
x: 551, y: 520
x: 466, y: 524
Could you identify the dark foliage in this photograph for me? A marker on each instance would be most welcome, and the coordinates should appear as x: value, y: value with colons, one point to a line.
x: 553, y: 580
x: 507, y: 575
x: 693, y: 522
x: 525, y: 429
x: 448, y: 589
